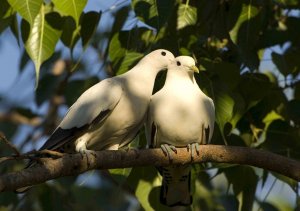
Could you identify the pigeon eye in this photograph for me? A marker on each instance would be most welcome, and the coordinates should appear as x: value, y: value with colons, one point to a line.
x: 178, y: 63
x: 163, y: 53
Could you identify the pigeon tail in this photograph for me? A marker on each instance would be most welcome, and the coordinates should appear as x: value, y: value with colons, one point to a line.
x: 176, y: 186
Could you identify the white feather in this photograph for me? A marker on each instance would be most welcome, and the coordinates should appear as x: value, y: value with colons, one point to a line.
x: 180, y: 109
x: 126, y: 97
x: 180, y: 113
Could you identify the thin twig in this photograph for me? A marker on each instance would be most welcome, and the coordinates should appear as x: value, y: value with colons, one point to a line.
x: 33, y: 155
x: 4, y: 139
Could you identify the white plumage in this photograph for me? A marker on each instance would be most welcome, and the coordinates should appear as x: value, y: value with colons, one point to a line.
x: 180, y: 115
x: 109, y: 114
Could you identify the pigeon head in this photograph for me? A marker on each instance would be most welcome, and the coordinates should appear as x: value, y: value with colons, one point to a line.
x: 185, y: 63
x: 160, y: 59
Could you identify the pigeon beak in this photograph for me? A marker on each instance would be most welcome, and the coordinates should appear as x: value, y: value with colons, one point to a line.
x: 195, y: 68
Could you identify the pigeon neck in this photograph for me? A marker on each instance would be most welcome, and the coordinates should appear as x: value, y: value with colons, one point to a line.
x: 144, y: 70
x: 177, y: 75
x: 150, y: 65
x: 141, y: 78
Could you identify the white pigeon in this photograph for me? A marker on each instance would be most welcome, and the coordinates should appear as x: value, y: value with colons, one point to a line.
x: 180, y: 115
x: 109, y: 115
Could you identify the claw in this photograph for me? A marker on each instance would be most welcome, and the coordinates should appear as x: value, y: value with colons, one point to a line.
x: 81, y: 148
x: 192, y: 148
x: 86, y: 152
x: 167, y: 150
x: 197, y: 148
x: 173, y: 148
x: 164, y: 149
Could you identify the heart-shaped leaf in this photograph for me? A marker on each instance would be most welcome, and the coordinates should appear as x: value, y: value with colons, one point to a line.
x: 28, y: 9
x: 73, y: 8
x: 40, y: 39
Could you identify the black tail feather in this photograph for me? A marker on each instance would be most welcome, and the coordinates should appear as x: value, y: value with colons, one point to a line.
x: 176, y: 191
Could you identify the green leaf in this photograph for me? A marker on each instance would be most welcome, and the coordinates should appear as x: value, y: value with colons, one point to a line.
x: 229, y: 107
x: 5, y: 9
x: 247, y: 12
x: 229, y: 104
x: 288, y: 62
x: 28, y: 9
x: 121, y: 56
x: 46, y: 88
x: 280, y: 63
x: 282, y: 138
x: 245, y: 22
x: 270, y: 117
x: 7, y: 17
x: 89, y: 25
x: 152, y: 12
x: 228, y: 72
x: 144, y: 180
x: 87, y: 28
x: 229, y: 202
x: 245, y: 187
x: 8, y: 129
x: 237, y: 140
x: 202, y: 189
x: 291, y: 182
x: 75, y: 88
x: 278, y: 36
x: 41, y: 39
x: 273, y: 37
x: 70, y: 33
x: 293, y: 110
x: 187, y: 15
x: 129, y: 61
x: 254, y: 87
x: 120, y: 175
x: 266, y: 206
x: 5, y: 22
x: 24, y: 60
x: 292, y: 33
x: 224, y: 106
x: 120, y: 19
x: 72, y: 8
x: 14, y: 27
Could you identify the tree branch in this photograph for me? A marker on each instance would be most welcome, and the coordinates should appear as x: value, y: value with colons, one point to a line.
x: 74, y: 164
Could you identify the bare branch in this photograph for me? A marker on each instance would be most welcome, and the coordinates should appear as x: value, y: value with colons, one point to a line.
x: 18, y: 118
x: 73, y: 164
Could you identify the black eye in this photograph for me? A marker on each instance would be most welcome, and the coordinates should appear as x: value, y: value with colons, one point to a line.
x: 163, y: 53
x: 178, y: 63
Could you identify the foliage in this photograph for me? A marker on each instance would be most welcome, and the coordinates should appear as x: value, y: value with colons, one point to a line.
x: 237, y: 42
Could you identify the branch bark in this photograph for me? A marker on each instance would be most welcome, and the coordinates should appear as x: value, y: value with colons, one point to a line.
x: 74, y: 164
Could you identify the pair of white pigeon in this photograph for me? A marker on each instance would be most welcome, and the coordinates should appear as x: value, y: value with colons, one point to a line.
x: 110, y: 114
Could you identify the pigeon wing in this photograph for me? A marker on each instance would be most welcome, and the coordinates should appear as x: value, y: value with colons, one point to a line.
x: 91, y: 108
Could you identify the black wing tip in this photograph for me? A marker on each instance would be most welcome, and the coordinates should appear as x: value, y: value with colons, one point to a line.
x: 59, y: 137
